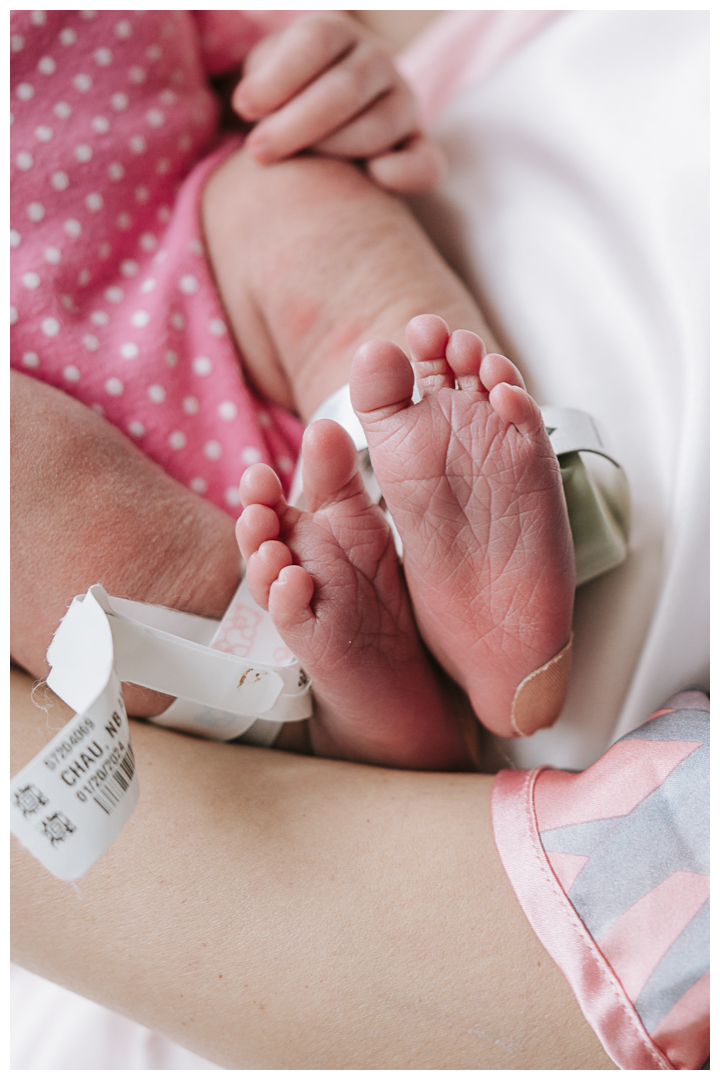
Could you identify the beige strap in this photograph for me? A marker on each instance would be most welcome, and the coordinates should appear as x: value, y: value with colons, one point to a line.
x: 540, y: 697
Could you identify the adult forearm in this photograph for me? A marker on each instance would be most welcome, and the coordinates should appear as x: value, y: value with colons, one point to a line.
x: 87, y: 506
x: 271, y: 911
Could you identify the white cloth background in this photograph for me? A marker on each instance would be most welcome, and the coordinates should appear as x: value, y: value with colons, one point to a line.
x: 576, y: 208
x: 53, y: 1028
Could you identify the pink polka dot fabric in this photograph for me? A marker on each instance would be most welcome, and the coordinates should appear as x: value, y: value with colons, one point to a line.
x: 113, y: 300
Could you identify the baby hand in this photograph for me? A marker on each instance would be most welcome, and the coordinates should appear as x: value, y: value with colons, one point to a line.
x: 327, y: 84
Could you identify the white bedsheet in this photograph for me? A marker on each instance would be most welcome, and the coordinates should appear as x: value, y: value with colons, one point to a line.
x: 53, y: 1028
x: 576, y: 207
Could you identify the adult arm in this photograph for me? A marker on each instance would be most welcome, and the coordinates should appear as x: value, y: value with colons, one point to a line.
x: 273, y: 911
x: 87, y: 506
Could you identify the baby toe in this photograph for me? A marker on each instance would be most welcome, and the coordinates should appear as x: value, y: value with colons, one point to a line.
x: 496, y: 369
x: 465, y: 352
x: 427, y: 337
x: 330, y: 464
x: 259, y: 484
x: 514, y: 405
x: 255, y: 525
x: 290, y: 596
x: 381, y: 381
x: 263, y: 568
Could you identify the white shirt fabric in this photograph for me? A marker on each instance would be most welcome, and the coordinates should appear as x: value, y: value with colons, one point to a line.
x: 576, y: 208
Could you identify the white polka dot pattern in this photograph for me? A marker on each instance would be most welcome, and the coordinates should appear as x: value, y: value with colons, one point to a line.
x: 112, y: 297
x: 202, y: 365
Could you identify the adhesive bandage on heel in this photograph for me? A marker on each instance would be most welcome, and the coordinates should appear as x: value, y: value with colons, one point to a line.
x: 540, y: 697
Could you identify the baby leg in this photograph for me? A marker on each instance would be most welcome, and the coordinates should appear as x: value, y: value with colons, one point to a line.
x: 312, y: 260
x: 331, y: 581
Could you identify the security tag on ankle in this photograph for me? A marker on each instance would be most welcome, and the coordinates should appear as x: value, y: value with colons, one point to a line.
x: 186, y: 656
x: 71, y: 801
x: 598, y: 518
x: 244, y: 631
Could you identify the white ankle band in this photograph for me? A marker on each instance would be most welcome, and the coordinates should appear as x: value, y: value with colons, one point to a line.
x: 202, y: 662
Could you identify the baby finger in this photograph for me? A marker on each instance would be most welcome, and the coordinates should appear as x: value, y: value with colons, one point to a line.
x: 282, y: 65
x: 324, y: 106
x: 417, y: 166
x: 387, y: 121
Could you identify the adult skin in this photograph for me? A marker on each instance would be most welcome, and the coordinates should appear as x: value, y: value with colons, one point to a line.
x: 273, y: 911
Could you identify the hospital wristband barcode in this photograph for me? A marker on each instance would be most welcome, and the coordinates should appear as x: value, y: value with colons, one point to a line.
x: 112, y: 791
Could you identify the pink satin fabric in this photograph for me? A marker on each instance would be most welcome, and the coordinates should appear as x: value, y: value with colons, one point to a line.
x: 597, y: 988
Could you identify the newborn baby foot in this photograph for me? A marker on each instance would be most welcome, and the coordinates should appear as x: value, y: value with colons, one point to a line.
x: 474, y: 489
x: 331, y: 581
